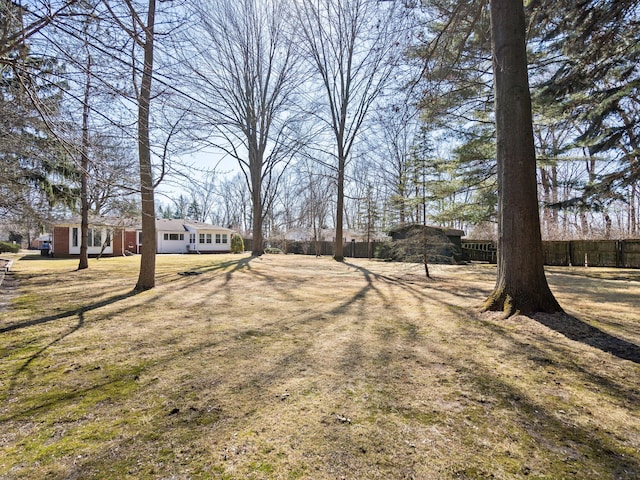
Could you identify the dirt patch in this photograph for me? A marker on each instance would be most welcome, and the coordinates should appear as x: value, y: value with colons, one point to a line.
x: 8, y: 286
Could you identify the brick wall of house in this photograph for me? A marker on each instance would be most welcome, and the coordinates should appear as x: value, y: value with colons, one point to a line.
x: 117, y: 242
x: 61, y: 241
x: 130, y: 241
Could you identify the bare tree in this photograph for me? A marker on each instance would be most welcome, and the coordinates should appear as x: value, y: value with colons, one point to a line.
x: 142, y: 31
x: 397, y: 126
x: 112, y: 167
x: 105, y: 168
x: 146, y: 277
x: 83, y: 262
x: 246, y: 75
x: 203, y: 193
x: 316, y: 186
x: 351, y: 45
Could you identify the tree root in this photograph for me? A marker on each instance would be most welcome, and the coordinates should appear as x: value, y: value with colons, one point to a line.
x: 510, y: 305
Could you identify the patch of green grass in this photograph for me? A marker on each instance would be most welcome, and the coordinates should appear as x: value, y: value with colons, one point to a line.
x: 262, y: 467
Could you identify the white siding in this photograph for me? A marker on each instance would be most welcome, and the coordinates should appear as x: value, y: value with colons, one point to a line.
x: 96, y: 239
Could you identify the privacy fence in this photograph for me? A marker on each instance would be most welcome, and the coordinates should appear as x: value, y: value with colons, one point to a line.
x: 350, y: 249
x: 593, y: 253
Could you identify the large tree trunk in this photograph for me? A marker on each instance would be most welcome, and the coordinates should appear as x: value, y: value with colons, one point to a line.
x: 255, y: 171
x: 147, y: 276
x: 521, y: 286
x: 258, y: 244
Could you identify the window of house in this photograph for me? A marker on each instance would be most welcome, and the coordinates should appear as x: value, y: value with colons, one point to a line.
x: 218, y: 238
x: 209, y: 238
x: 93, y: 237
x: 192, y: 238
x: 174, y: 236
x: 225, y: 238
x: 201, y: 239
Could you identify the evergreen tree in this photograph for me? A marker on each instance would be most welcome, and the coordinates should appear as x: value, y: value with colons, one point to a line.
x: 194, y: 211
x: 594, y: 46
x: 237, y: 243
x: 34, y: 168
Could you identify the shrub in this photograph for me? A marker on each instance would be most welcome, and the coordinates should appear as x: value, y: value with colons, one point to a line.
x: 272, y: 250
x: 384, y: 251
x: 9, y: 247
x: 237, y: 243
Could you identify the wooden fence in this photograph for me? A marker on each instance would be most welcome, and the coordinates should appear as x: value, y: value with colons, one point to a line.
x: 593, y: 253
x: 350, y: 249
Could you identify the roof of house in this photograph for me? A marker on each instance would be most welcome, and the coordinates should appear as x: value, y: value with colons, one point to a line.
x: 204, y: 226
x: 162, y: 224
x: 170, y: 225
x: 96, y: 221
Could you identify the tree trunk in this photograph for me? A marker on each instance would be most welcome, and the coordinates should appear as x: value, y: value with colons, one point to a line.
x: 633, y: 225
x: 546, y: 188
x: 84, y: 167
x: 521, y: 286
x: 258, y: 244
x: 147, y: 276
x: 338, y: 250
x: 255, y: 172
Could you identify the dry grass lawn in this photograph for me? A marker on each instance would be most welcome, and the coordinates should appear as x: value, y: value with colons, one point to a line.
x: 294, y: 367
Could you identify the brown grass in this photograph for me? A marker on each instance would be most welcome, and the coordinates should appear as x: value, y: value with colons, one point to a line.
x: 290, y: 367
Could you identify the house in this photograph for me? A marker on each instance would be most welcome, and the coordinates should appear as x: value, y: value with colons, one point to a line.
x: 40, y: 242
x: 111, y: 236
x: 108, y: 236
x: 189, y: 236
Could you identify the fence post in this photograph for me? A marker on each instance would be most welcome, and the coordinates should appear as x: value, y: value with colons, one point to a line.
x: 620, y: 254
x: 571, y: 253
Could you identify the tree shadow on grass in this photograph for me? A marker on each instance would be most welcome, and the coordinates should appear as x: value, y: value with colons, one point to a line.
x: 234, y: 266
x: 552, y: 432
x: 78, y: 312
x: 579, y: 331
x: 571, y: 327
x: 70, y: 313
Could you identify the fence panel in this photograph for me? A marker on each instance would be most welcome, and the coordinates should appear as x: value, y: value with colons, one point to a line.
x: 479, y: 251
x: 557, y: 253
x: 630, y: 253
x: 595, y: 253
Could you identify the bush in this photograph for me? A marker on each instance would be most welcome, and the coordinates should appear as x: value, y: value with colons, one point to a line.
x: 237, y: 243
x: 412, y: 250
x: 384, y: 251
x: 272, y: 250
x: 9, y: 247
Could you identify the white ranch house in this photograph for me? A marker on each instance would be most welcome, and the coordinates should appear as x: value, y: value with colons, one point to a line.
x: 109, y: 236
x: 188, y: 236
